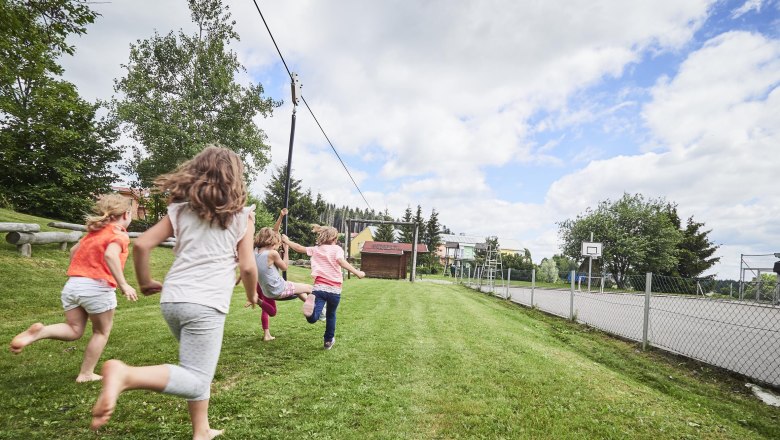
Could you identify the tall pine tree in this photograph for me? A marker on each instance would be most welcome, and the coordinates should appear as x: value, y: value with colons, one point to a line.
x: 302, y: 210
x: 407, y: 231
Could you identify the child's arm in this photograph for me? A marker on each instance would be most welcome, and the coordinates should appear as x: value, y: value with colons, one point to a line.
x: 143, y: 247
x: 111, y: 257
x: 246, y: 262
x: 345, y: 264
x: 293, y: 245
x: 280, y: 262
x: 278, y: 223
x: 73, y: 250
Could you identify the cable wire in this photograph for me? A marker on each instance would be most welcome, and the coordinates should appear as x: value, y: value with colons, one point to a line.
x: 309, y: 108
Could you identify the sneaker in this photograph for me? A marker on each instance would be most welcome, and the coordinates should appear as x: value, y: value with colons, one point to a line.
x: 329, y: 344
x: 324, y: 312
x: 308, y: 305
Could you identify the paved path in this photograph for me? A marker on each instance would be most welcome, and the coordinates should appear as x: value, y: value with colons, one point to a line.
x: 738, y: 336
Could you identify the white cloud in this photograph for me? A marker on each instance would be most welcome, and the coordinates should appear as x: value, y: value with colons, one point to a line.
x: 749, y: 5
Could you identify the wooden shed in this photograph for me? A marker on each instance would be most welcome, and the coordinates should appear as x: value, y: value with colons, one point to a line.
x: 387, y: 260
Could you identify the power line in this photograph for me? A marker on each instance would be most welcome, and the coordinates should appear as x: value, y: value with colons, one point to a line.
x: 309, y: 108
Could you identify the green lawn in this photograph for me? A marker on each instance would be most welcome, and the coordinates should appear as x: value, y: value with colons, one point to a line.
x: 411, y: 361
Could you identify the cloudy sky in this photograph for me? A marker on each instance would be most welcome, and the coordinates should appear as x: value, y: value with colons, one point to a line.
x: 505, y: 116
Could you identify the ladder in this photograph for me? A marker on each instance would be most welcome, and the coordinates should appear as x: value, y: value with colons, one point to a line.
x: 492, y: 269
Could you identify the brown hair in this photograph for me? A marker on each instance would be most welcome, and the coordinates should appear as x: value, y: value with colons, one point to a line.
x: 212, y: 182
x: 267, y: 237
x: 107, y: 209
x: 325, y: 234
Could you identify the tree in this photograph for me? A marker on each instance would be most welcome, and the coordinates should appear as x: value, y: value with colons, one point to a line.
x: 419, y: 221
x: 385, y: 232
x: 432, y: 233
x: 55, y: 153
x: 548, y: 271
x: 695, y: 250
x: 179, y: 94
x: 302, y: 212
x: 407, y: 231
x: 637, y: 236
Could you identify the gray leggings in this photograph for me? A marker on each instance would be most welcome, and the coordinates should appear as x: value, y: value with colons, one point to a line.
x: 198, y: 329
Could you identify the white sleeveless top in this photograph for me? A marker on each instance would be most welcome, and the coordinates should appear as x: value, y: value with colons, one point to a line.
x: 203, y: 271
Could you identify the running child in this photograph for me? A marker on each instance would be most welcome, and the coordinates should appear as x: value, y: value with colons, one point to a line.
x: 327, y: 259
x: 272, y: 286
x: 95, y: 271
x: 213, y: 233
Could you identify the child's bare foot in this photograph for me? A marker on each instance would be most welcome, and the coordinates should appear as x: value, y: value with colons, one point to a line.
x: 308, y: 306
x: 267, y: 338
x: 26, y: 338
x: 210, y: 435
x: 114, y: 374
x: 88, y: 377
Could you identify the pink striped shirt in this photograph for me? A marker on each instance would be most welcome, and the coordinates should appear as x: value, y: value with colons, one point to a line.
x: 325, y: 264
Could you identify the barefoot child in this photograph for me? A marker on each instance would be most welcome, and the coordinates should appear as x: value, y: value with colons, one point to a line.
x: 272, y: 286
x: 213, y: 233
x: 95, y: 270
x: 327, y: 259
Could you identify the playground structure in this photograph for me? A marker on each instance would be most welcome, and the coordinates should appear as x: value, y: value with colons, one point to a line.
x: 752, y: 285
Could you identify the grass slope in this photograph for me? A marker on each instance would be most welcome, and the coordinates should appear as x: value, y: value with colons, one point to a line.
x: 411, y: 361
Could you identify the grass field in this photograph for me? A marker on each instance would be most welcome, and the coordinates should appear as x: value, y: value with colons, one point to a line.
x: 412, y: 361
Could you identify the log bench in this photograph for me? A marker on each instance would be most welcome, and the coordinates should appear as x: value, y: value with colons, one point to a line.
x: 25, y: 240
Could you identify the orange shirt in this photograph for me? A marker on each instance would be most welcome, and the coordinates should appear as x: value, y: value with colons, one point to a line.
x: 88, y: 260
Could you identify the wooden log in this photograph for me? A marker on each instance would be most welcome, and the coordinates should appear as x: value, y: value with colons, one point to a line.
x: 19, y: 238
x: 71, y: 226
x: 25, y: 249
x: 19, y: 227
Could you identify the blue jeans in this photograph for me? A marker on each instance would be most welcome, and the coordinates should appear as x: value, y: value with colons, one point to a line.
x: 322, y: 298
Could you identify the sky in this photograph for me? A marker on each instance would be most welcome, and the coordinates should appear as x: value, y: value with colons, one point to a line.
x: 508, y: 117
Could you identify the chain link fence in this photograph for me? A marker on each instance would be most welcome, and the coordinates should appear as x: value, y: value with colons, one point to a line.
x: 729, y: 326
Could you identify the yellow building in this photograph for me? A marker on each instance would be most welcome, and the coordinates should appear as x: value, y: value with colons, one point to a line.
x: 357, y: 240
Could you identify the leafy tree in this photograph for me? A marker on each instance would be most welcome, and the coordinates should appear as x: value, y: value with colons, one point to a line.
x: 636, y: 233
x: 407, y: 231
x: 302, y: 212
x: 548, y: 271
x: 179, y: 94
x: 385, y: 232
x: 695, y: 250
x: 55, y: 153
x: 518, y: 262
x: 565, y: 265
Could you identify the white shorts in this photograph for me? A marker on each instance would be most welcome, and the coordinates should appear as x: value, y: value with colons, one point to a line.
x: 94, y: 296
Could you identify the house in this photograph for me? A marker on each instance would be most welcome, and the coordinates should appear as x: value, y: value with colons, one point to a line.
x: 358, y: 239
x: 457, y: 247
x: 387, y: 260
x: 136, y: 196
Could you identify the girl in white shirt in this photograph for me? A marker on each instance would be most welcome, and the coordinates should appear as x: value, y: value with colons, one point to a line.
x: 214, y: 233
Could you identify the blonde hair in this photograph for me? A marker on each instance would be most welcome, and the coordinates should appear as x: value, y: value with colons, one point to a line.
x: 107, y: 209
x: 212, y: 182
x: 325, y: 234
x: 267, y: 237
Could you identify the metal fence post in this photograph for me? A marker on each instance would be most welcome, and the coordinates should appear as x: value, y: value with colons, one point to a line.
x: 533, y: 285
x: 508, y: 279
x: 571, y: 298
x: 646, y: 320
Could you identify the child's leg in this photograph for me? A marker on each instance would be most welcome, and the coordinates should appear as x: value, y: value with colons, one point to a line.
x: 199, y: 330
x: 70, y: 330
x: 302, y: 290
x: 101, y: 328
x: 269, y: 309
x: 330, y: 316
x: 199, y: 414
x: 119, y: 377
x: 316, y: 305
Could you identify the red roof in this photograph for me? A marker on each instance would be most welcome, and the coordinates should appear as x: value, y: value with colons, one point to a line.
x: 381, y: 247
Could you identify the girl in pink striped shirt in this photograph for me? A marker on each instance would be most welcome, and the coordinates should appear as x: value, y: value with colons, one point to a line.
x: 327, y: 260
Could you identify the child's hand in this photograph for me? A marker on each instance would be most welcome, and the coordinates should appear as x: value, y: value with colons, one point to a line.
x: 283, y: 212
x: 285, y: 239
x: 151, y: 287
x: 252, y: 302
x: 360, y: 274
x: 129, y: 292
